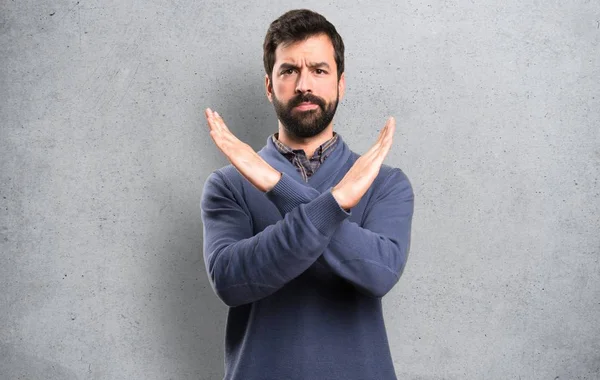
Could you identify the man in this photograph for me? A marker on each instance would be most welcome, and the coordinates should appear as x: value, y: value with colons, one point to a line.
x: 303, y: 238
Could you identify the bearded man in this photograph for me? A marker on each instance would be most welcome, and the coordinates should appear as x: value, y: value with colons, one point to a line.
x: 304, y: 238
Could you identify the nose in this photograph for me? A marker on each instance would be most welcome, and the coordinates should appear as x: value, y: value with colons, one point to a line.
x: 304, y: 83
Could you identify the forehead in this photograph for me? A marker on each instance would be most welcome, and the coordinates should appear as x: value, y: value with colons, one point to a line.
x: 314, y: 49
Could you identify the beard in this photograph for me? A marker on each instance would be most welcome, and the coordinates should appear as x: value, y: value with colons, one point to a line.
x: 309, y: 123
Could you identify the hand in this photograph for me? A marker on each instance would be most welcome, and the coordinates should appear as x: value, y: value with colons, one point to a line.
x: 241, y: 155
x: 349, y: 191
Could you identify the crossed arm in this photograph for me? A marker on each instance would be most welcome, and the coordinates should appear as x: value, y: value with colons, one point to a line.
x: 372, y: 256
x: 246, y: 267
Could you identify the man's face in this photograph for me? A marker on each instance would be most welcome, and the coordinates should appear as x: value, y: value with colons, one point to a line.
x: 304, y: 88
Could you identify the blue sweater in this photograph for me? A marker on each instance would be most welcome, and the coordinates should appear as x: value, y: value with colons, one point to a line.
x: 304, y: 278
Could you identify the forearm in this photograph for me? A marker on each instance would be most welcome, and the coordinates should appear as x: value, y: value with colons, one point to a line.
x: 371, y: 262
x: 287, y: 194
x: 371, y: 257
x: 244, y: 267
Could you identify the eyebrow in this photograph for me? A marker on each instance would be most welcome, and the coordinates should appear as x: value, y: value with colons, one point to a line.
x: 317, y: 65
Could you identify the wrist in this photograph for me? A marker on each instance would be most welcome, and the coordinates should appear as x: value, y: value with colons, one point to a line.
x: 339, y: 197
x: 271, y: 180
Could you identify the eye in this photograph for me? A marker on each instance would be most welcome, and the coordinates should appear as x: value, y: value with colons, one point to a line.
x: 287, y: 72
x: 320, y: 71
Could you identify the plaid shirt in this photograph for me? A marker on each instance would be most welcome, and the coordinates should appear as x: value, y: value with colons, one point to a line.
x: 306, y: 167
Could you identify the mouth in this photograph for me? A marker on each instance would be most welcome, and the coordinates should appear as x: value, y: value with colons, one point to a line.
x: 305, y: 106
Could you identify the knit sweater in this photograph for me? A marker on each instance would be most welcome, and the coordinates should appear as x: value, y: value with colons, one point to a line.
x: 303, y: 278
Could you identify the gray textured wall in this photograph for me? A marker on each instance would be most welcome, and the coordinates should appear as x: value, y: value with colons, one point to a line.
x: 104, y: 151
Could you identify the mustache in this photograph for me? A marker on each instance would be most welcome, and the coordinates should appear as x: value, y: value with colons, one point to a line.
x: 306, y: 97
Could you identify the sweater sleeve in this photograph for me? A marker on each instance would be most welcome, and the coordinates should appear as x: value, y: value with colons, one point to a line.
x: 372, y: 256
x: 244, y: 267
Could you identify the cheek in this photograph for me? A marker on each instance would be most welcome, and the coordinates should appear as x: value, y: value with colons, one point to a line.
x: 283, y: 89
x: 328, y: 90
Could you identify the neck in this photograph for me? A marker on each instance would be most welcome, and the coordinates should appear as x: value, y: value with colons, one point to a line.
x: 308, y: 144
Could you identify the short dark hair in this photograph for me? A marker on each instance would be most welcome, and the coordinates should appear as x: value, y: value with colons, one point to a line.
x: 298, y: 25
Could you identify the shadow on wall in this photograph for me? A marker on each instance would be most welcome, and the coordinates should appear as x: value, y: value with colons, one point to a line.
x: 192, y: 317
x: 18, y: 365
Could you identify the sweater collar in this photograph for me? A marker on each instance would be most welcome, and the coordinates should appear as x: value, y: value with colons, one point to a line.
x: 329, y: 168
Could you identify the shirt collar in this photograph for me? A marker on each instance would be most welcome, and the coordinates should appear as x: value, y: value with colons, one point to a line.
x: 286, y: 150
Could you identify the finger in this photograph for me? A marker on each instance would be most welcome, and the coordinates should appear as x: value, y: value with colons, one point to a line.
x: 387, y: 144
x: 222, y: 137
x: 214, y: 137
x: 210, y: 114
x: 223, y: 127
x: 207, y: 115
x: 381, y: 147
x: 221, y: 122
x: 210, y: 118
x: 391, y: 128
x: 380, y: 140
x: 383, y: 132
x: 217, y: 140
x: 387, y: 133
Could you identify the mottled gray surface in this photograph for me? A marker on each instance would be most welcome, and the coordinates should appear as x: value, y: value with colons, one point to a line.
x: 104, y: 151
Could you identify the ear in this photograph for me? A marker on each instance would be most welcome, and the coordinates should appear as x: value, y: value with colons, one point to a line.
x: 342, y: 85
x: 269, y: 88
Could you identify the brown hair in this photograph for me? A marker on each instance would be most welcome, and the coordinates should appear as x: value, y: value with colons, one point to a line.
x: 298, y: 25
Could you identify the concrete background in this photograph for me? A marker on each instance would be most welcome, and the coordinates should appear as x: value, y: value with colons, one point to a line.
x: 104, y: 151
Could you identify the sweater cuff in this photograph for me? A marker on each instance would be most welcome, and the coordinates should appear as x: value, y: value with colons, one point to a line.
x: 287, y: 194
x: 325, y: 213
